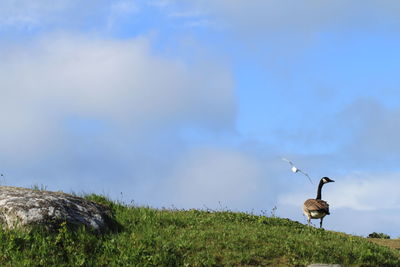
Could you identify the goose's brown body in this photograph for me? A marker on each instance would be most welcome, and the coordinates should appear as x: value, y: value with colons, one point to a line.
x: 316, y: 208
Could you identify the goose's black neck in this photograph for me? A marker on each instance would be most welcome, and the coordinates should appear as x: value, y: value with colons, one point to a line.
x: 321, y: 183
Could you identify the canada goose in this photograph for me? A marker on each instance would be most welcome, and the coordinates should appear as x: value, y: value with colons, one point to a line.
x: 317, y: 208
x: 295, y: 169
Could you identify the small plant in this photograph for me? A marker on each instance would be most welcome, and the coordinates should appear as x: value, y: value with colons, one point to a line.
x: 273, y: 212
x: 378, y: 235
x: 38, y: 187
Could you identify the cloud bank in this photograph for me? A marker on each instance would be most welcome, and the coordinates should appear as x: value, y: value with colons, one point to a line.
x: 117, y: 80
x: 305, y: 16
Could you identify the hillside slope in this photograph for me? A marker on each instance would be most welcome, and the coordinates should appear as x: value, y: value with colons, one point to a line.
x: 150, y: 237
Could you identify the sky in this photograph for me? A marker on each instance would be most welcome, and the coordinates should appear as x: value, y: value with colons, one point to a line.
x: 192, y: 104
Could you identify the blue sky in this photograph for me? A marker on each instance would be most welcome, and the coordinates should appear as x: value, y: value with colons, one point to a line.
x: 191, y: 104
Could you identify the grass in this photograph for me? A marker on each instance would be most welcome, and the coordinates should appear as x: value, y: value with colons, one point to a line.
x: 150, y: 237
x: 391, y: 243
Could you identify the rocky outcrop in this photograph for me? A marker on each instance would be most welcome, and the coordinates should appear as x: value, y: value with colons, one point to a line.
x: 21, y: 207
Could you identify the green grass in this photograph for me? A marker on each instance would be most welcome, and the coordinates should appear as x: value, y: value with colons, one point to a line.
x: 150, y: 237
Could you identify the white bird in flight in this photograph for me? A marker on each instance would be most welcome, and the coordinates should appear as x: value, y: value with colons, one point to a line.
x: 295, y: 169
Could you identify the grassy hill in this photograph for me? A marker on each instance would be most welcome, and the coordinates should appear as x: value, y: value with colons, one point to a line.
x: 150, y: 237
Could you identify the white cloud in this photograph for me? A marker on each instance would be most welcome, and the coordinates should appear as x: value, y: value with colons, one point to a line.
x: 120, y: 10
x: 215, y: 178
x: 372, y: 192
x: 253, y: 18
x: 117, y: 81
x: 124, y: 7
x: 358, y: 191
x: 28, y: 14
x: 20, y: 15
x: 161, y: 3
x: 299, y: 16
x: 375, y: 129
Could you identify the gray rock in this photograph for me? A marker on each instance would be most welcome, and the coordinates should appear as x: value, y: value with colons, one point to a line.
x: 21, y: 207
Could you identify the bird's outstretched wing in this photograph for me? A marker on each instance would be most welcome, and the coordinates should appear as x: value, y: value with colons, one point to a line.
x: 285, y: 159
x: 308, y: 176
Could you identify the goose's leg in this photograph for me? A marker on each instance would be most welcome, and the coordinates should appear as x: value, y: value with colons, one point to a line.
x: 320, y: 223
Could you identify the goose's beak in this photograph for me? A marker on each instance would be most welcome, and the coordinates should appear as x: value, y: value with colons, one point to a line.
x: 332, y: 181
